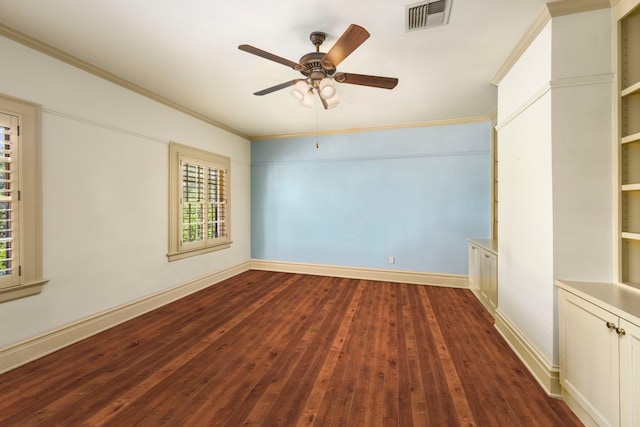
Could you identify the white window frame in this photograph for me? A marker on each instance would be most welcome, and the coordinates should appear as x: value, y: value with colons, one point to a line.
x: 180, y: 248
x: 27, y: 204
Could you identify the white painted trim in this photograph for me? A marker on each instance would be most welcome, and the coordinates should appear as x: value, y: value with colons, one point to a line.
x: 591, y: 80
x: 570, y: 7
x: 528, y: 103
x: 399, y: 276
x: 104, y: 126
x: 578, y: 410
x: 39, y: 346
x: 557, y: 84
x: 547, y: 375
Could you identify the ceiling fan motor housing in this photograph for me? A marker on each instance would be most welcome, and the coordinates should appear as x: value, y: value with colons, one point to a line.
x: 314, y: 66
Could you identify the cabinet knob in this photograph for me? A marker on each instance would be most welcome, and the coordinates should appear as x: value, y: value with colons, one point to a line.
x: 611, y: 326
x: 621, y: 331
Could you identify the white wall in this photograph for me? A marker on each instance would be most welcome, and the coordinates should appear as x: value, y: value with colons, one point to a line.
x: 105, y: 193
x: 525, y: 225
x: 527, y: 79
x: 555, y: 192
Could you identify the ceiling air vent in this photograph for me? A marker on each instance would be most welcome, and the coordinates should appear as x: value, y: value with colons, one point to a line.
x: 420, y: 16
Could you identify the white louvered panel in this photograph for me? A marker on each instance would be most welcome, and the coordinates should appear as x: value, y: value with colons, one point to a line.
x: 7, y: 194
x: 428, y: 14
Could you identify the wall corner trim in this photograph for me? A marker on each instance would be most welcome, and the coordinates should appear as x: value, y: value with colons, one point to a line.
x: 547, y: 375
x: 33, y: 348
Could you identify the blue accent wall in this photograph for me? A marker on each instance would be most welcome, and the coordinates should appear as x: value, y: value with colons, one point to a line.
x: 359, y: 198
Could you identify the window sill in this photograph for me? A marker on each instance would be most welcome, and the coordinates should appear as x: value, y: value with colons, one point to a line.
x: 21, y: 291
x: 174, y: 256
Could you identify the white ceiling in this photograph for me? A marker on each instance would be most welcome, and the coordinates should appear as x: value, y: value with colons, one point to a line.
x: 186, y: 51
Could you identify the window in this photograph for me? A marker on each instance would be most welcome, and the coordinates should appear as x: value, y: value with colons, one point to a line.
x: 198, y: 202
x: 20, y: 199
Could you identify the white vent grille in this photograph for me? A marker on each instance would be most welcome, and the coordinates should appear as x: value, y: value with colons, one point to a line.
x: 427, y: 14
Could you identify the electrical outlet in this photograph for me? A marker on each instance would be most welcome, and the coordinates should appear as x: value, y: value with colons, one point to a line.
x: 392, y: 260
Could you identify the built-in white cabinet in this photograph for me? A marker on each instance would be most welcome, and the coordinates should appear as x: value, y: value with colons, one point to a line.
x: 599, y: 337
x: 483, y: 272
x: 630, y: 375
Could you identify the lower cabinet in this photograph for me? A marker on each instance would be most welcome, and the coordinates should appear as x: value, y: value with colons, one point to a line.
x: 483, y: 274
x: 630, y: 375
x: 599, y: 361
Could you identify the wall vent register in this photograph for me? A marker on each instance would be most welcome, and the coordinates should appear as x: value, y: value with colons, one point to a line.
x: 423, y: 15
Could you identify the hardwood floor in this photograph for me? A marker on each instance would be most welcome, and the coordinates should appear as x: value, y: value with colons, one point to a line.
x: 271, y: 349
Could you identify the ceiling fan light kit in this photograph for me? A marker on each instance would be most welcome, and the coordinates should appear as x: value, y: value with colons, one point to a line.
x: 299, y: 90
x: 326, y: 88
x: 319, y: 69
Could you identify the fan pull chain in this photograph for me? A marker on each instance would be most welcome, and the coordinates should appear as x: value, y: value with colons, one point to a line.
x: 317, y: 135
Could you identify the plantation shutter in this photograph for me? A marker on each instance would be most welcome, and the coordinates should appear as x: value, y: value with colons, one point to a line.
x: 9, y: 270
x: 192, y: 200
x: 203, y: 202
x: 216, y: 203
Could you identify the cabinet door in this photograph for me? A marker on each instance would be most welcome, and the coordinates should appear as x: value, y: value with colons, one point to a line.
x: 489, y: 282
x: 589, y: 357
x: 629, y: 375
x: 474, y: 267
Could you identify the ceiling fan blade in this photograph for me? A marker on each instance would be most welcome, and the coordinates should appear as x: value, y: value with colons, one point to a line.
x: 270, y: 56
x: 277, y: 87
x: 365, y: 80
x: 353, y: 37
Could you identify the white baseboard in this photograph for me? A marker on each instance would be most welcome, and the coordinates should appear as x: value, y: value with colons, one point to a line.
x: 578, y: 410
x: 399, y: 276
x: 36, y: 347
x: 547, y: 375
x: 33, y: 348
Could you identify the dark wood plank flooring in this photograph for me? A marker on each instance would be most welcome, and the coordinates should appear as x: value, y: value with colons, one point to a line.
x: 279, y: 349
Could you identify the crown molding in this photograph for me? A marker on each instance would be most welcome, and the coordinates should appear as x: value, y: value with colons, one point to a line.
x: 445, y: 122
x: 521, y: 47
x: 569, y: 7
x: 60, y: 55
x: 550, y: 11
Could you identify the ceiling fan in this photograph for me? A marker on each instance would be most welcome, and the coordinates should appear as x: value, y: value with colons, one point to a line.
x: 319, y: 68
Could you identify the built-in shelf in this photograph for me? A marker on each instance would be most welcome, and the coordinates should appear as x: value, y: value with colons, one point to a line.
x: 630, y: 111
x: 630, y: 187
x: 631, y: 236
x: 630, y: 255
x: 629, y: 160
x: 631, y: 138
x: 631, y: 89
